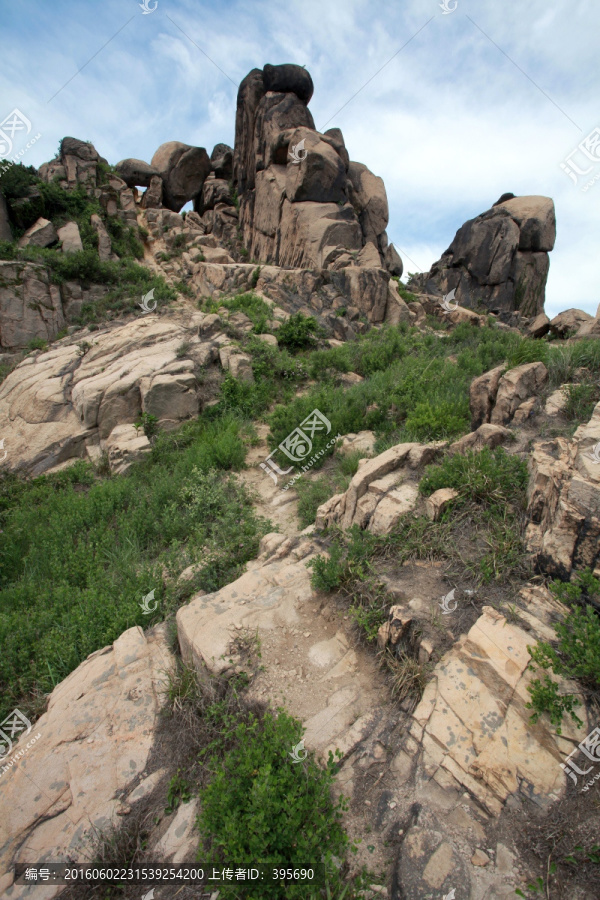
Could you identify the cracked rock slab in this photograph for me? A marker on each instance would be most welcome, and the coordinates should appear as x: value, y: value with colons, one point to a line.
x: 95, y: 740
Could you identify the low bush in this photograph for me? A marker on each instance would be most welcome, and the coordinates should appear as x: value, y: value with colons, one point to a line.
x: 575, y: 655
x: 259, y: 806
x: 298, y: 333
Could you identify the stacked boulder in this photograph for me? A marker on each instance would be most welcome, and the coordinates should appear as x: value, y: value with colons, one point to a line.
x: 76, y: 164
x: 303, y: 203
x: 499, y: 260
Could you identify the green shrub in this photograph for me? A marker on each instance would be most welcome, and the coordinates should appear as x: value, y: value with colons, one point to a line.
x: 311, y: 494
x: 298, y: 333
x: 576, y: 654
x: 16, y: 180
x: 563, y: 360
x: 327, y: 571
x: 528, y: 351
x: 148, y: 423
x: 37, y: 344
x: 250, y: 304
x: 124, y: 238
x: 429, y: 421
x: 260, y: 806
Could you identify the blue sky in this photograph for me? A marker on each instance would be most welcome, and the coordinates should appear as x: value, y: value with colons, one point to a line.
x: 489, y: 98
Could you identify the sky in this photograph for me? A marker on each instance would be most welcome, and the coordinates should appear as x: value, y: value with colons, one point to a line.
x: 451, y: 107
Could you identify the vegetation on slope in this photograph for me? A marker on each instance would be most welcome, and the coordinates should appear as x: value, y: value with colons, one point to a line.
x: 79, y: 552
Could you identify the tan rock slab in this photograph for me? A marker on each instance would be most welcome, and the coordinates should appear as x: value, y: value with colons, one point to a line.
x: 96, y: 738
x: 438, y: 502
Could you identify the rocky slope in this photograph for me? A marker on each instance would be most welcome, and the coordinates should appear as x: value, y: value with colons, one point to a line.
x: 440, y: 783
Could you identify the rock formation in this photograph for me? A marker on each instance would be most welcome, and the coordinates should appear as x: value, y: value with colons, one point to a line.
x: 499, y: 260
x: 302, y: 201
x: 564, y: 502
x: 75, y: 165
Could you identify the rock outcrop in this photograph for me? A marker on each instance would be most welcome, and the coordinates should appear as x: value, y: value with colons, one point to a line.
x: 56, y: 404
x: 499, y: 397
x: 136, y: 172
x: 499, y: 260
x: 381, y: 491
x: 30, y: 306
x: 41, y: 234
x: 302, y: 201
x: 183, y: 170
x: 76, y: 164
x: 568, y: 323
x: 564, y: 502
x: 464, y: 738
x: 95, y: 742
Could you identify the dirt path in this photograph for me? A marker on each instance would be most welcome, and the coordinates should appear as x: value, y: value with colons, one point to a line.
x: 281, y: 507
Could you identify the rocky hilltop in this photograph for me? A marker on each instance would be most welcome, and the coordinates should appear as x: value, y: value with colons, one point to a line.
x: 247, y: 468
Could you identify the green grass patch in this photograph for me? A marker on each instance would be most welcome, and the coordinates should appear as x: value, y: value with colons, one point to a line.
x: 79, y: 552
x: 259, y: 312
x: 489, y: 476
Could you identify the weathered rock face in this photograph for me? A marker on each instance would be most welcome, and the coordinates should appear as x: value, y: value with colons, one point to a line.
x: 569, y: 322
x: 564, y: 502
x: 124, y: 446
x: 498, y: 397
x: 498, y: 260
x: 287, y: 79
x: 381, y: 491
x: 152, y: 197
x: 41, y: 234
x: 302, y: 202
x: 70, y: 238
x: 100, y: 719
x: 221, y: 160
x: 30, y: 307
x: 465, y: 738
x: 55, y: 404
x: 77, y: 164
x: 516, y: 387
x: 183, y: 170
x: 135, y: 172
x: 482, y: 396
x: 104, y: 242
